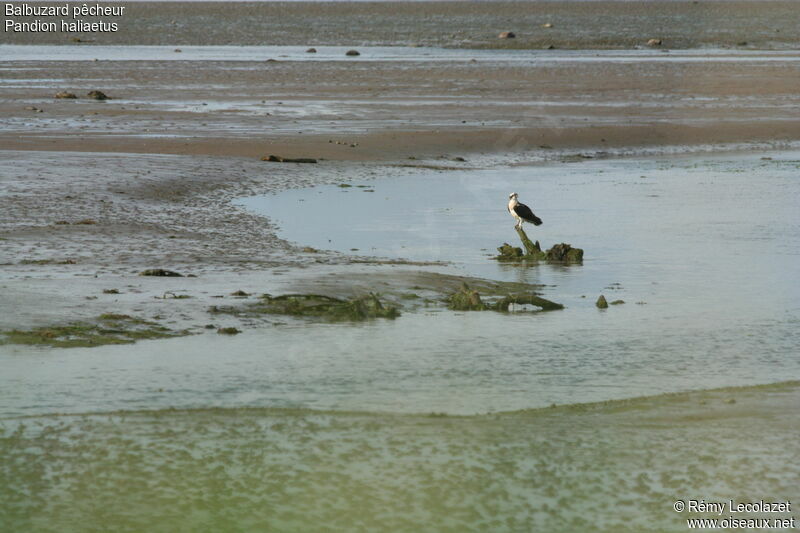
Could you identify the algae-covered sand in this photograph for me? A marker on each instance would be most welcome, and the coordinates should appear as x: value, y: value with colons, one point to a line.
x: 615, y: 466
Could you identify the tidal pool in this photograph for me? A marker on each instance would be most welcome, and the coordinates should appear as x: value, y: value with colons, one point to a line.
x: 704, y: 250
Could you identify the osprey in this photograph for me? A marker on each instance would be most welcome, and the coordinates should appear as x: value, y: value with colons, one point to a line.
x: 521, y: 212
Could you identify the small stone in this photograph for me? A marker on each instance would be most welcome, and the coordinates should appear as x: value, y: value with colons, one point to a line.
x: 97, y: 95
x: 160, y: 272
x: 228, y: 331
x: 352, y: 53
x: 654, y: 42
x: 311, y: 51
x: 618, y: 302
x: 564, y: 253
x: 507, y: 35
x: 547, y: 25
x: 601, y: 302
x: 65, y: 94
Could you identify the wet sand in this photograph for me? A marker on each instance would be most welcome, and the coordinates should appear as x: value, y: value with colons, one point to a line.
x: 614, y: 466
x: 365, y: 110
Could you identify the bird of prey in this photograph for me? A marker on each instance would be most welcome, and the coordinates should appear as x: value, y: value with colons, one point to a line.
x: 521, y: 212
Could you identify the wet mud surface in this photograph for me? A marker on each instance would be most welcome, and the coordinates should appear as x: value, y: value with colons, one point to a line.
x: 613, y: 466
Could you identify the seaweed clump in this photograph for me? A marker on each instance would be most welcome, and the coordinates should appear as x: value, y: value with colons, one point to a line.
x: 110, y: 328
x: 560, y: 253
x: 468, y: 299
x: 564, y: 253
x: 160, y: 272
x: 317, y: 306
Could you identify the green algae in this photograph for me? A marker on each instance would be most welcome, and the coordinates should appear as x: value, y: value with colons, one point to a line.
x: 109, y: 328
x: 316, y: 306
x: 468, y: 299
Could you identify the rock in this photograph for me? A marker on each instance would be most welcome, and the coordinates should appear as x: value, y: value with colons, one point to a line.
x: 240, y: 293
x: 654, y: 42
x: 177, y: 50
x: 526, y: 299
x: 550, y: 47
x: 618, y: 302
x: 228, y: 331
x: 507, y: 35
x: 465, y: 299
x: 352, y: 53
x: 601, y: 302
x: 311, y: 51
x: 97, y: 95
x: 509, y: 253
x: 279, y: 159
x: 65, y: 94
x: 564, y: 253
x: 547, y: 25
x: 160, y: 272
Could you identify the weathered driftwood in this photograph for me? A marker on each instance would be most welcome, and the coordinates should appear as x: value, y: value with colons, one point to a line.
x: 468, y: 299
x: 560, y: 253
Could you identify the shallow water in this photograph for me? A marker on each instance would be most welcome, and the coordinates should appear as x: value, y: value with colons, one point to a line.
x: 704, y: 250
x: 37, y: 53
x: 610, y: 469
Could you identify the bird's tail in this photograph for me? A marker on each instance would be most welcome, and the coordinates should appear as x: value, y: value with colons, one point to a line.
x: 536, y: 221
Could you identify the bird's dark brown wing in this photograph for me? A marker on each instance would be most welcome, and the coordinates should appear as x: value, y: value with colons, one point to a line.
x: 524, y: 212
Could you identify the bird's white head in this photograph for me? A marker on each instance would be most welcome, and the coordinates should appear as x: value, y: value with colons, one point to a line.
x: 512, y: 196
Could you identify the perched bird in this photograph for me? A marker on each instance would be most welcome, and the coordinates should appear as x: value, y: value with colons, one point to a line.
x: 521, y: 212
